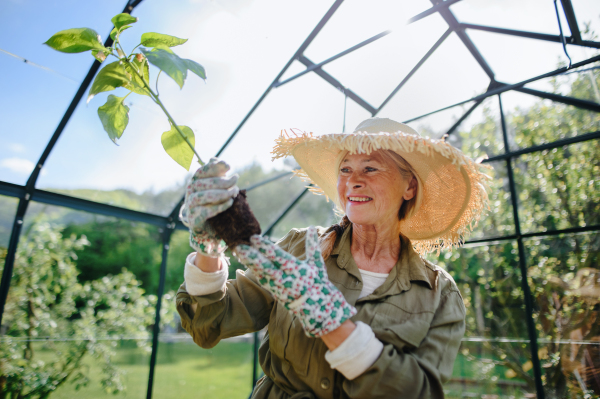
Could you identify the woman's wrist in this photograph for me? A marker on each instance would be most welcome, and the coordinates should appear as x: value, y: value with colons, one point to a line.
x: 208, y: 264
x: 339, y: 335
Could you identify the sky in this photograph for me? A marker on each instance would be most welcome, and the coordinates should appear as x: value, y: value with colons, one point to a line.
x: 243, y: 45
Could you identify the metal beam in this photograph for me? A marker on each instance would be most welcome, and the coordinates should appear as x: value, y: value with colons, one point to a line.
x: 415, y: 69
x: 537, y: 234
x: 30, y: 186
x: 576, y: 102
x: 514, y: 86
x: 50, y: 198
x: 454, y: 25
x: 166, y: 239
x: 527, y: 297
x: 298, y: 53
x: 549, y: 146
x: 531, y: 35
x: 571, y: 20
x: 336, y: 83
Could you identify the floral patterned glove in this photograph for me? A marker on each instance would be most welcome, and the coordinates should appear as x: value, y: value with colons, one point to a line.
x: 302, y: 286
x: 208, y: 194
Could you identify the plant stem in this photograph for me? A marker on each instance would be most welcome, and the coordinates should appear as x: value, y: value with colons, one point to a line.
x: 157, y: 100
x: 157, y: 76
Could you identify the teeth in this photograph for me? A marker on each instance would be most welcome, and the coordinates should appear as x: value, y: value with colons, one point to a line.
x: 360, y: 199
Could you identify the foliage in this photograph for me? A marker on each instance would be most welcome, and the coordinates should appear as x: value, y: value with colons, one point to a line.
x: 132, y: 73
x: 73, y: 320
x: 557, y: 189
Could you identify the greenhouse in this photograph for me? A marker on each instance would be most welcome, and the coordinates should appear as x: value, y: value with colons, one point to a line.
x: 92, y: 248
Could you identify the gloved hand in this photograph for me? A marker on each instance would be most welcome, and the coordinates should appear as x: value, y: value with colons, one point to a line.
x: 208, y: 194
x: 302, y: 286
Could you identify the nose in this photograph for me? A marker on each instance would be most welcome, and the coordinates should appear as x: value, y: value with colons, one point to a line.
x: 355, y: 180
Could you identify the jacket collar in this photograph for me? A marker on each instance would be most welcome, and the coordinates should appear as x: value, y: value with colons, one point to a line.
x: 410, y: 267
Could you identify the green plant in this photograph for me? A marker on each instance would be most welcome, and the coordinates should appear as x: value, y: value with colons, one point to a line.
x: 132, y: 72
x: 75, y: 323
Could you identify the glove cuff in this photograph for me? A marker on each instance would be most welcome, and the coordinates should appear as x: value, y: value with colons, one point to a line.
x: 207, y: 246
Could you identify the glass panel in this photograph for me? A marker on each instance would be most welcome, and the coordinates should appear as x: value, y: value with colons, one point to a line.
x: 517, y: 16
x: 492, y: 369
x: 559, y: 188
x: 310, y: 210
x: 42, y: 81
x: 499, y: 220
x: 531, y: 121
x: 183, y: 369
x: 449, y: 76
x: 375, y: 69
x: 8, y: 210
x: 480, y: 134
x: 86, y: 159
x: 586, y: 12
x: 348, y: 26
x: 437, y: 125
x: 565, y: 281
x: 489, y: 279
x: 307, y: 104
x: 80, y: 309
x: 514, y: 59
x: 580, y: 83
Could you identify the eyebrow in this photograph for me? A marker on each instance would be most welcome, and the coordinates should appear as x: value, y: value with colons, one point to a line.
x: 364, y: 161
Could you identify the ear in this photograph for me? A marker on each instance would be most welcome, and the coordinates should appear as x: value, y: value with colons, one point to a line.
x: 411, y: 190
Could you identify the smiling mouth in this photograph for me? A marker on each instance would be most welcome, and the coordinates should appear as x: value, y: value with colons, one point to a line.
x: 360, y: 199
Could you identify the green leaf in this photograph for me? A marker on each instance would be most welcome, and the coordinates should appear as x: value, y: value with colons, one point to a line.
x: 123, y: 19
x: 114, y: 116
x: 176, y: 146
x: 113, y: 33
x: 195, y: 68
x: 136, y: 85
x: 168, y: 62
x: 153, y: 39
x: 109, y: 78
x: 75, y: 40
x: 99, y: 55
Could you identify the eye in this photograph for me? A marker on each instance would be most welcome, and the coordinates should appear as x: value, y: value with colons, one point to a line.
x: 370, y: 169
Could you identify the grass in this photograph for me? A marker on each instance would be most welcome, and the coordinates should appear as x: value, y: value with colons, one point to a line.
x: 183, y: 370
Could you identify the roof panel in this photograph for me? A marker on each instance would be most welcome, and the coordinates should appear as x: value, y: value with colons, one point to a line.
x: 357, y: 20
x: 374, y: 70
x: 515, y: 59
x: 449, y: 76
x: 437, y: 125
x: 531, y: 15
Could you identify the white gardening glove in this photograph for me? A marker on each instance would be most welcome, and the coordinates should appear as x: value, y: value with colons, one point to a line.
x: 208, y: 194
x: 301, y: 285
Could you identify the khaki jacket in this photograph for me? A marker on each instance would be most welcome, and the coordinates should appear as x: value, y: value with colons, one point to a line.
x: 417, y: 313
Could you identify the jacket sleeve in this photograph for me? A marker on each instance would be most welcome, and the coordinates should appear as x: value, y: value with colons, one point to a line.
x: 405, y: 371
x: 241, y: 306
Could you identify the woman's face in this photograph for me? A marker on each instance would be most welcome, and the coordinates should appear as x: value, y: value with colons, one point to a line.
x: 371, y: 189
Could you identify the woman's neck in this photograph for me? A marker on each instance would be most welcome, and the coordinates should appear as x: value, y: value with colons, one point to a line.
x: 375, y: 248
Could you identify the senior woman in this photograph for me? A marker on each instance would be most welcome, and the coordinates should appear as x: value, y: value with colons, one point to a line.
x: 353, y: 311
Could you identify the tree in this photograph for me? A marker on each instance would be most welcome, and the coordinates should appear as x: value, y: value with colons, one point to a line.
x: 557, y: 189
x: 74, y: 320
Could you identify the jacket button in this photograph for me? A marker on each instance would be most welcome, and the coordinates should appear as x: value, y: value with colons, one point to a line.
x: 325, y: 384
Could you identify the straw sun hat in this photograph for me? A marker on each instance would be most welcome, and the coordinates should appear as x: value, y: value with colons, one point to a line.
x: 452, y: 191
